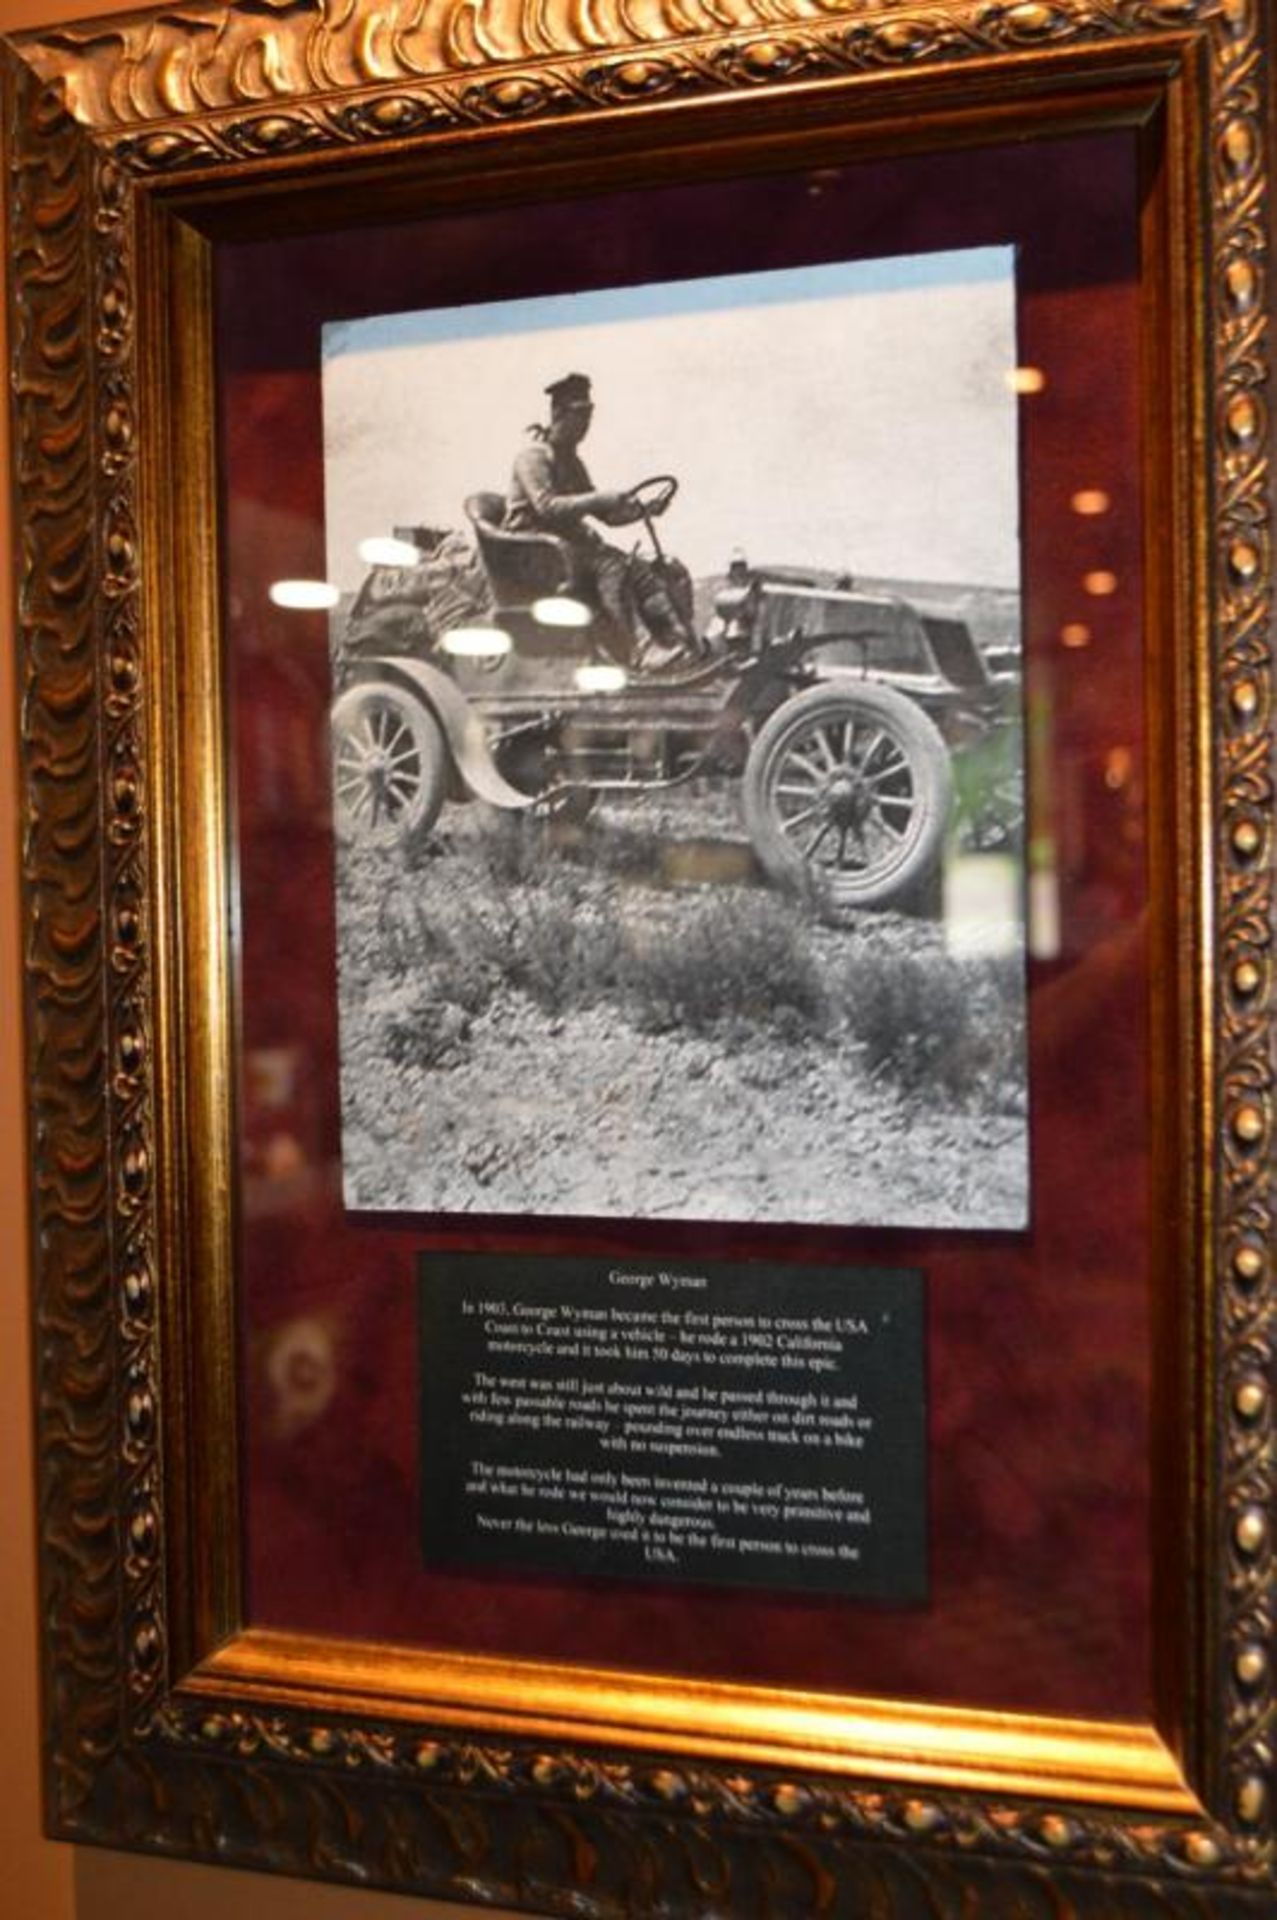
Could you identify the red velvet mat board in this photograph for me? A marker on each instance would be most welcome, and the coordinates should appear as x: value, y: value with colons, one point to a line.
x: 1039, y: 1343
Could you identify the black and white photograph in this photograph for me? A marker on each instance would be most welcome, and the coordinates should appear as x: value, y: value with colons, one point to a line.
x: 677, y: 750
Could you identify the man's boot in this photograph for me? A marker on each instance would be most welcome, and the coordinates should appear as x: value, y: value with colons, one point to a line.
x: 657, y: 656
x: 668, y: 640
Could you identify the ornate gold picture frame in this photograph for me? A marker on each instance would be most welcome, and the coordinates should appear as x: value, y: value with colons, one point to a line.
x: 139, y: 149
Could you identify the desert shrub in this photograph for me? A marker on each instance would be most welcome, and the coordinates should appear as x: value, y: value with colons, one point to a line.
x: 729, y: 957
x: 424, y: 1028
x: 548, y: 942
x: 931, y: 1021
x: 733, y: 958
x: 513, y: 848
x: 561, y: 958
x: 403, y: 930
x: 554, y: 940
x: 445, y: 941
x: 520, y: 849
x: 628, y: 850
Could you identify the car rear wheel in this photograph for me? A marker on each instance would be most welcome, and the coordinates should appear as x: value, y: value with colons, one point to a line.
x: 847, y: 793
x: 390, y: 766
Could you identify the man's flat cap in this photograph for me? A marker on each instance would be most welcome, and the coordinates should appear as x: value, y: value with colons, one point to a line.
x: 572, y: 390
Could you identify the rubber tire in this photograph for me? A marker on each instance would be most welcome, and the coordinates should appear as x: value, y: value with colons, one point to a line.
x: 918, y: 738
x: 418, y: 735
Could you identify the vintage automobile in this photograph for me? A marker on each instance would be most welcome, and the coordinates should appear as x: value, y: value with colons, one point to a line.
x: 842, y: 712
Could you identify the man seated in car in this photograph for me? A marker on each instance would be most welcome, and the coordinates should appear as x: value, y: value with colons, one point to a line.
x: 649, y: 606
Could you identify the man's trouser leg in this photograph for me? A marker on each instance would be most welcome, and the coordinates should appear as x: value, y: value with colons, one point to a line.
x: 609, y: 572
x: 658, y: 592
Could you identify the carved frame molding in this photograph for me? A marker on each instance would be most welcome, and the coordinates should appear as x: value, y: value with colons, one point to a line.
x: 101, y: 115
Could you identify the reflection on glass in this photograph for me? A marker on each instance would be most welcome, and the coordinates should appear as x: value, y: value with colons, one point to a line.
x: 560, y: 610
x: 601, y: 676
x: 301, y: 1368
x: 1044, y: 914
x: 304, y: 596
x: 1118, y: 764
x: 982, y: 905
x: 476, y: 643
x: 385, y: 551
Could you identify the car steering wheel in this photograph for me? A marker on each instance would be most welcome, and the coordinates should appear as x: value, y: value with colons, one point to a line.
x: 651, y: 496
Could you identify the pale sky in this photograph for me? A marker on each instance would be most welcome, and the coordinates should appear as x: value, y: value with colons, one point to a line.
x: 854, y: 416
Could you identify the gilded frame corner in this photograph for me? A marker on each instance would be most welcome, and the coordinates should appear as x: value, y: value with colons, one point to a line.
x: 166, y: 1727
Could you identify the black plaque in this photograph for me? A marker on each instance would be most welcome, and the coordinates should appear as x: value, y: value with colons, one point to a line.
x: 750, y: 1425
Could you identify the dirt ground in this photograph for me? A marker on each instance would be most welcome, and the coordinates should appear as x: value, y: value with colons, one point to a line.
x: 623, y: 1020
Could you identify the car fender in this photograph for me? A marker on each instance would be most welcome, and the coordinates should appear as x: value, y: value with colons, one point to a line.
x: 462, y: 728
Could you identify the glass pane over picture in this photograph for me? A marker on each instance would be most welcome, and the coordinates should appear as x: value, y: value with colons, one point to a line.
x: 692, y: 822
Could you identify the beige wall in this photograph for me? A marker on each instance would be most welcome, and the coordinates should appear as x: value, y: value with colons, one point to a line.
x: 38, y: 1880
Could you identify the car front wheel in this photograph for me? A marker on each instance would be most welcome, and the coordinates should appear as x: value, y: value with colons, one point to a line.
x: 847, y: 793
x: 390, y: 766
